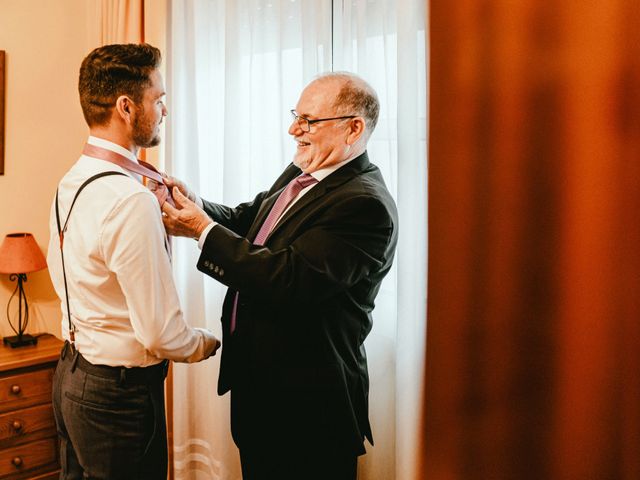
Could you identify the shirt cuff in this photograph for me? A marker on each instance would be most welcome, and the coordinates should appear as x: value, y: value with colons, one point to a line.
x: 199, y: 202
x: 205, y: 232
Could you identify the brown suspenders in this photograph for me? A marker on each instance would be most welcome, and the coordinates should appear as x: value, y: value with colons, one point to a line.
x: 61, y: 231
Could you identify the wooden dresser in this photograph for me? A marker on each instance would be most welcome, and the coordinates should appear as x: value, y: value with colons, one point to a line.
x: 28, y: 439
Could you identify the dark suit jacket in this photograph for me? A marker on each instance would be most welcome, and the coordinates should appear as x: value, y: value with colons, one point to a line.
x: 296, y: 365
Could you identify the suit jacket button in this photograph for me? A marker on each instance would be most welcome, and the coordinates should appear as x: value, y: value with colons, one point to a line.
x: 216, y: 269
x: 206, y: 263
x: 221, y: 272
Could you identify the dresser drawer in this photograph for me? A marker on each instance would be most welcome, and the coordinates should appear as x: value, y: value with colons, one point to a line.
x: 47, y: 476
x: 21, y: 423
x: 26, y: 389
x: 22, y: 458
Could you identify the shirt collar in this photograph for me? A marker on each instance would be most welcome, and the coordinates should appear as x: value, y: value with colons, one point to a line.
x: 101, y: 142
x: 325, y: 172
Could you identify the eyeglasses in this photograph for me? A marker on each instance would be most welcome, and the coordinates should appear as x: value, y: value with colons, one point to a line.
x: 305, y: 123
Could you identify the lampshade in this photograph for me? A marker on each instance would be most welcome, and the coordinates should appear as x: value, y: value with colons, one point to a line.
x: 19, y: 253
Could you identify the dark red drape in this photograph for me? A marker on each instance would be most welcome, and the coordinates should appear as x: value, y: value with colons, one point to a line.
x: 533, y: 345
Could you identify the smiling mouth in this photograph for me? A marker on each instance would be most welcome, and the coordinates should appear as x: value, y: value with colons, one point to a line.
x: 303, y: 144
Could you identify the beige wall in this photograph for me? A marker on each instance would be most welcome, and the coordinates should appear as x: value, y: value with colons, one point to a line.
x: 45, y: 42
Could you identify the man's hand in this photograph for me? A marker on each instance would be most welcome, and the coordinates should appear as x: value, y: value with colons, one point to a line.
x: 216, y: 346
x: 186, y: 219
x: 212, y: 345
x: 171, y: 182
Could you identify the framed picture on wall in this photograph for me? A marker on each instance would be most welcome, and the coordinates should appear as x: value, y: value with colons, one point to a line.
x: 1, y: 112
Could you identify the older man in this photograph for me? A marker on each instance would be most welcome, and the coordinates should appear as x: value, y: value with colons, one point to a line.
x: 303, y: 262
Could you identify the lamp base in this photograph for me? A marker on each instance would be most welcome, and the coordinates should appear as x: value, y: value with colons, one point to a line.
x: 20, y: 340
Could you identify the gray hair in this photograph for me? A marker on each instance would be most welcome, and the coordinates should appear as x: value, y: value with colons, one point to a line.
x: 356, y: 97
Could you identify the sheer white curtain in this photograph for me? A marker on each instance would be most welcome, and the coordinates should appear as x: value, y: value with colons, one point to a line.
x: 384, y: 42
x: 235, y: 68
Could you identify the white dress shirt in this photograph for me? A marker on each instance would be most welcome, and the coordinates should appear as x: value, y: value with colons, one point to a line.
x: 123, y: 299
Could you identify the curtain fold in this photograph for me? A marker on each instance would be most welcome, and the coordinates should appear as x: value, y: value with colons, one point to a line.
x: 384, y: 42
x: 235, y: 69
x: 534, y: 290
x: 115, y: 21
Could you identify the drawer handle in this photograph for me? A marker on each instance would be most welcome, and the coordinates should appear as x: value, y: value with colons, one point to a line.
x: 17, y: 461
x: 15, y: 389
x: 17, y: 425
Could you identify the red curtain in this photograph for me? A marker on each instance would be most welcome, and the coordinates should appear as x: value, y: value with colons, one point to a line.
x: 533, y: 345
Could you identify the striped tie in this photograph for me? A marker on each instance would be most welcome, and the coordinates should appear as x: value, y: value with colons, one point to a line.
x: 291, y: 191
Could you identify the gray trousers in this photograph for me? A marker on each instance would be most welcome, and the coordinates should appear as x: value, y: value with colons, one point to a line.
x: 110, y: 420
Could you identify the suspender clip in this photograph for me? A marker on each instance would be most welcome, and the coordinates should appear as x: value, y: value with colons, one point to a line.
x: 72, y: 339
x: 74, y: 360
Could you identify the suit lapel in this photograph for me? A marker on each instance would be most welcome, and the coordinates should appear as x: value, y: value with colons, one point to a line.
x: 276, y: 189
x: 333, y: 181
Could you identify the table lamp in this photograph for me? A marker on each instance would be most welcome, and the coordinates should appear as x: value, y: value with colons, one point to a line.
x: 19, y: 255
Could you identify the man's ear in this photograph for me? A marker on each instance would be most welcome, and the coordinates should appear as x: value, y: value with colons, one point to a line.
x: 357, y: 127
x: 124, y: 108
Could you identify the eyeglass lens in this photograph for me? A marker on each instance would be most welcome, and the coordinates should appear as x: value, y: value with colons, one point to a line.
x: 302, y: 122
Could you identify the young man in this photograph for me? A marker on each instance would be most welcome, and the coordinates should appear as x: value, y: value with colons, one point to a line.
x: 303, y: 262
x: 109, y: 262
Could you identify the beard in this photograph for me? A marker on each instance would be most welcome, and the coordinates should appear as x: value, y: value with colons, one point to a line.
x: 144, y: 132
x: 300, y: 163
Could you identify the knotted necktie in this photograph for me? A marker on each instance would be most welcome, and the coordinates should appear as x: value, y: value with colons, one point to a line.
x: 161, y: 191
x: 290, y: 192
x: 142, y: 168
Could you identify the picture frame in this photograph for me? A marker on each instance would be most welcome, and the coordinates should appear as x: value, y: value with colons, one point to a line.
x: 2, y: 76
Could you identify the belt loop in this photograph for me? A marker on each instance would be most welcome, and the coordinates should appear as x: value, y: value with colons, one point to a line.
x: 123, y: 375
x: 76, y: 354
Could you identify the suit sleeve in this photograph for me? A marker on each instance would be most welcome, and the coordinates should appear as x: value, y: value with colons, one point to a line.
x: 238, y: 219
x: 341, y: 247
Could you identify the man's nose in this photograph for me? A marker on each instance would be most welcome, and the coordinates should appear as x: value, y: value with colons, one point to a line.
x: 294, y: 128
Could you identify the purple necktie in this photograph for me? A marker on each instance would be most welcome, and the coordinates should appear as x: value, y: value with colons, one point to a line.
x: 291, y: 191
x: 161, y: 191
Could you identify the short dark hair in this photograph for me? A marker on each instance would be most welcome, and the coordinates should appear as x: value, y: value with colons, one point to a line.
x: 356, y: 97
x: 111, y: 71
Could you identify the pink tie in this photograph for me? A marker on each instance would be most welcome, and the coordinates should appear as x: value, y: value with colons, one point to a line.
x: 161, y: 191
x: 143, y: 168
x: 291, y: 191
